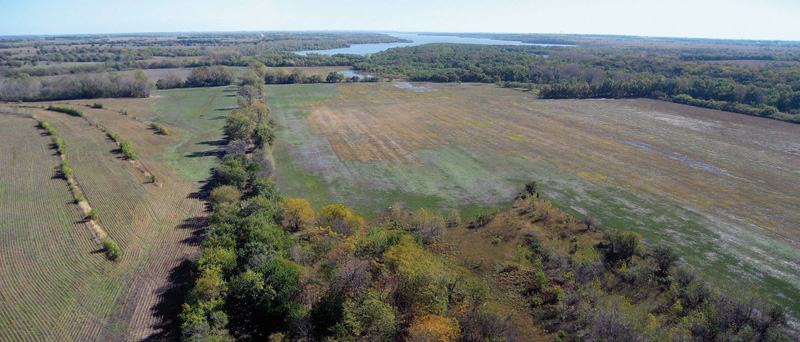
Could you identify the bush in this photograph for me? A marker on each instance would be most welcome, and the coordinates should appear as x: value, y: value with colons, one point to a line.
x: 127, y: 149
x: 482, y: 218
x: 92, y: 215
x: 623, y: 245
x: 97, y: 105
x: 61, y: 146
x: 66, y: 171
x: 158, y: 128
x: 66, y: 110
x: 112, y: 248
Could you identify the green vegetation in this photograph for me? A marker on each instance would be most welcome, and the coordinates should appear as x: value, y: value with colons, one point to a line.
x: 66, y: 110
x: 92, y: 215
x: 97, y: 105
x: 48, y: 247
x: 127, y: 149
x: 195, y: 112
x: 66, y: 171
x: 112, y: 248
x: 603, y: 71
x: 158, y: 128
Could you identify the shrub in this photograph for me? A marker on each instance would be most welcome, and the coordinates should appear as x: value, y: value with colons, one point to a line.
x: 158, y: 128
x: 482, y: 218
x: 127, y: 149
x: 61, y: 146
x: 434, y: 328
x: 66, y: 171
x: 452, y: 218
x: 92, y: 215
x: 112, y: 248
x: 66, y: 110
x: 97, y: 105
x: 623, y: 245
x: 80, y: 198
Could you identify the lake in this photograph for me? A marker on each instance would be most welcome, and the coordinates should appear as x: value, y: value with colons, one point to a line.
x: 417, y: 39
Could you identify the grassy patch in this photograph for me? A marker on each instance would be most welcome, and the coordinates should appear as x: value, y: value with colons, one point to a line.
x: 200, y: 115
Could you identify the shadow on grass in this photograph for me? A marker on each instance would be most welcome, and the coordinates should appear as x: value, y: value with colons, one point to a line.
x: 220, y: 142
x: 217, y: 153
x: 168, y: 308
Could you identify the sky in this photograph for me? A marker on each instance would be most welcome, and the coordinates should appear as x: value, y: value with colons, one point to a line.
x: 734, y: 19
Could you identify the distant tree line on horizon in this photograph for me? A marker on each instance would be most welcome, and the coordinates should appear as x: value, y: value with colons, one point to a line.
x: 28, y: 88
x: 769, y: 91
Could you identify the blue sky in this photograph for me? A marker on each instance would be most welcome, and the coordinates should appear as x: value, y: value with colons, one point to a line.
x: 739, y: 19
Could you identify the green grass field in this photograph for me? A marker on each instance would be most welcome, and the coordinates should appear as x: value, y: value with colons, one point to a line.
x: 664, y: 170
x: 199, y: 114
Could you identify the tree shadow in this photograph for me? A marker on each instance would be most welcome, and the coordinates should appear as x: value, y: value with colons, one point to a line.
x: 209, y: 153
x: 220, y: 142
x: 170, y: 298
x: 203, y: 192
x: 221, y: 117
x: 197, y: 225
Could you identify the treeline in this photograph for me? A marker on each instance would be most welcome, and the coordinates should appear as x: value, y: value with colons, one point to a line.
x: 257, y: 74
x: 585, y: 73
x: 230, y: 50
x: 272, y: 268
x: 26, y: 88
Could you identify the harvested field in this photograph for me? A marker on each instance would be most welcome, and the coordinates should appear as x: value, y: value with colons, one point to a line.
x: 53, y: 283
x: 719, y: 186
x: 83, y: 295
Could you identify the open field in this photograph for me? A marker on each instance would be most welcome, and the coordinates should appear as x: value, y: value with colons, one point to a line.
x: 79, y: 294
x: 719, y: 186
x: 53, y: 286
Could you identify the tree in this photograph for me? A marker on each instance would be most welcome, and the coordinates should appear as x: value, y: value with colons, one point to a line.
x: 334, y: 77
x: 266, y: 188
x: 250, y: 94
x: 623, y: 245
x: 665, y: 258
x: 112, y: 248
x: 263, y: 136
x: 531, y: 188
x: 434, y: 328
x: 252, y: 78
x: 339, y: 218
x: 370, y: 317
x: 298, y: 213
x: 224, y: 194
x: 238, y: 126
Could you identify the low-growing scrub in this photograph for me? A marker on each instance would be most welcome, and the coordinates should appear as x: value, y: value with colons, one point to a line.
x: 112, y: 249
x: 65, y: 110
x: 158, y: 128
x: 97, y: 105
x: 66, y: 171
x: 127, y: 149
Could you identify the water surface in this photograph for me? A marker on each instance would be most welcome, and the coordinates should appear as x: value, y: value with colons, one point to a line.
x: 417, y: 39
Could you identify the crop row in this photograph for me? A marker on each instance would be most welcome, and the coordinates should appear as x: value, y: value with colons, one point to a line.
x: 47, y: 275
x: 112, y: 249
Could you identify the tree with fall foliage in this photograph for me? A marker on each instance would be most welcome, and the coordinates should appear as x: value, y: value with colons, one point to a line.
x: 298, y: 213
